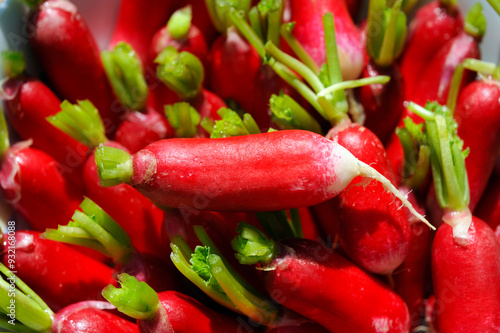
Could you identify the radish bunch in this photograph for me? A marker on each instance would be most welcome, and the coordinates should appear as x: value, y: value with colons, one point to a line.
x: 252, y: 166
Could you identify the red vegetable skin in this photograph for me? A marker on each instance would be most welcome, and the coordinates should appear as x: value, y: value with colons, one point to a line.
x: 57, y: 273
x: 410, y: 278
x: 466, y: 279
x: 308, y: 30
x: 182, y: 310
x: 478, y: 117
x: 324, y: 286
x: 488, y: 208
x: 373, y: 230
x: 140, y: 218
x: 434, y: 83
x: 90, y: 320
x: 293, y: 159
x: 27, y: 112
x: 431, y: 28
x: 139, y: 129
x: 71, y: 59
x: 201, y: 19
x: 137, y: 23
x: 232, y: 69
x: 32, y: 183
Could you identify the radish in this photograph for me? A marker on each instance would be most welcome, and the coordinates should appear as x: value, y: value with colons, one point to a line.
x: 160, y: 171
x: 136, y: 214
x: 27, y: 103
x: 232, y: 64
x: 93, y: 228
x: 318, y: 283
x: 24, y: 311
x: 70, y: 57
x: 181, y: 33
x: 465, y: 252
x: 432, y: 27
x: 168, y: 311
x: 434, y: 83
x: 141, y: 125
x: 32, y: 182
x: 488, y: 208
x: 136, y: 24
x: 63, y: 269
x: 383, y: 104
x: 309, y: 32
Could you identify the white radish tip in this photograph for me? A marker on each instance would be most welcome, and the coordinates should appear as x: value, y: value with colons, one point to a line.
x: 460, y: 221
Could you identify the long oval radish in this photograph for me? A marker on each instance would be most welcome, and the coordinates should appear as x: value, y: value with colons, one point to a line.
x: 282, y: 170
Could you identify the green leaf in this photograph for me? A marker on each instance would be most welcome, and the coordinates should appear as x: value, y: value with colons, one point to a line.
x: 201, y: 266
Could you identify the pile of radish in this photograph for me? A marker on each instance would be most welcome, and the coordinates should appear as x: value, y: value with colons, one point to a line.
x: 253, y: 166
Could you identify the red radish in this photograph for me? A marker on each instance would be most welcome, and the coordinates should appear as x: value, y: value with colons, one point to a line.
x: 168, y: 311
x: 66, y: 276
x: 318, y: 283
x: 201, y: 19
x: 141, y: 125
x: 432, y: 27
x: 136, y: 23
x: 27, y: 103
x: 488, y: 208
x: 70, y: 57
x: 465, y: 251
x: 431, y: 308
x: 23, y: 310
x: 32, y: 182
x: 181, y: 34
x: 373, y: 230
x: 164, y: 171
x: 309, y: 32
x: 383, y: 103
x: 140, y: 218
x: 232, y: 63
x: 93, y: 228
x: 434, y: 83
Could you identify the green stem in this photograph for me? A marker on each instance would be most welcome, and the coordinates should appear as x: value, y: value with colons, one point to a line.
x: 272, y: 12
x: 219, y: 10
x: 28, y: 308
x: 125, y: 74
x: 114, y: 166
x: 379, y: 79
x: 496, y: 5
x: 94, y: 225
x: 408, y: 5
x: 252, y: 246
x: 254, y: 38
x: 183, y: 118
x: 81, y: 121
x: 297, y: 48
x: 135, y: 298
x: 475, y: 22
x: 182, y: 72
x: 295, y: 223
x: 288, y: 114
x: 180, y: 22
x: 255, y: 21
x: 13, y: 63
x: 394, y: 36
x: 231, y: 124
x: 4, y: 134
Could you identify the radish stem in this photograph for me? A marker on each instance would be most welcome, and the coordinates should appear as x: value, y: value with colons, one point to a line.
x: 288, y: 114
x: 180, y: 22
x: 297, y: 48
x: 183, y: 118
x: 13, y: 63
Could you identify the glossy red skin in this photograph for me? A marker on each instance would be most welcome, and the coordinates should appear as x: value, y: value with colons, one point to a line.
x: 410, y: 278
x: 373, y: 230
x: 308, y: 30
x: 478, y: 117
x: 91, y: 320
x: 383, y: 103
x: 304, y: 328
x: 434, y: 82
x: 140, y: 218
x: 201, y: 173
x: 188, y: 315
x: 71, y: 58
x: 320, y: 284
x: 27, y: 113
x: 38, y: 191
x: 139, y: 129
x: 232, y: 66
x: 207, y: 104
x: 194, y: 43
x: 488, y: 208
x: 59, y: 274
x: 396, y: 156
x: 466, y: 279
x: 137, y: 23
x: 431, y: 28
